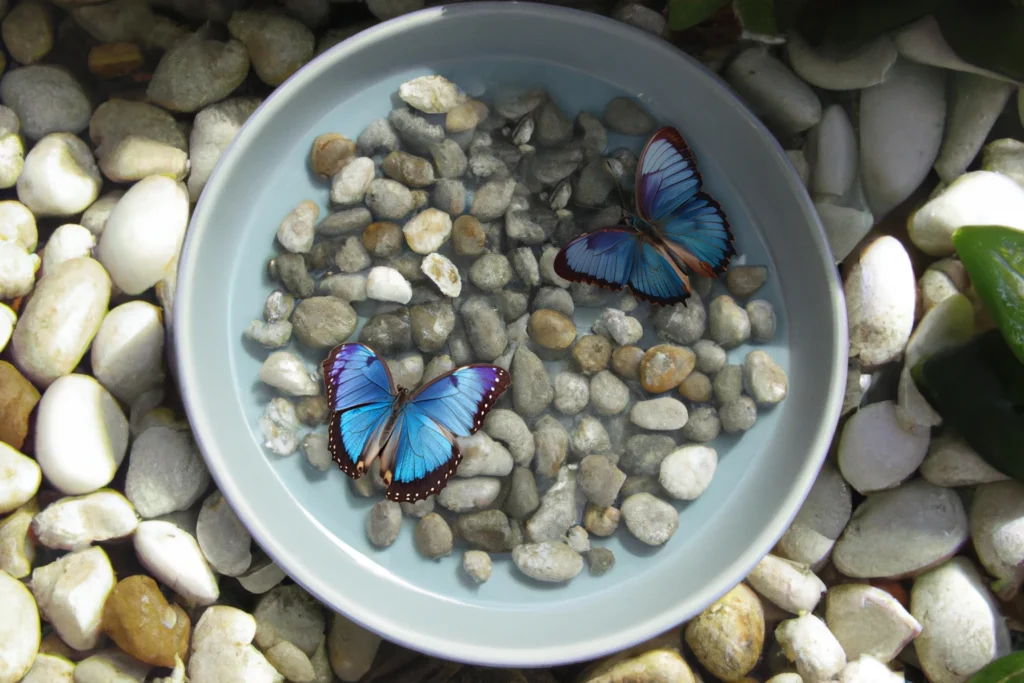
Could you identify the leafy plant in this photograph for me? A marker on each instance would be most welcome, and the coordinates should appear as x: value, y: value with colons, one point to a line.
x: 1008, y: 669
x: 684, y: 14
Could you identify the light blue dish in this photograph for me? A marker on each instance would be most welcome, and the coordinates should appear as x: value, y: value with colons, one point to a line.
x: 313, y: 526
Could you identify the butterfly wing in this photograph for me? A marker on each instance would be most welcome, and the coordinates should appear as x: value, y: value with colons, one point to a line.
x: 666, y: 175
x: 698, y: 234
x: 657, y: 277
x: 454, y: 404
x: 603, y: 257
x: 361, y: 396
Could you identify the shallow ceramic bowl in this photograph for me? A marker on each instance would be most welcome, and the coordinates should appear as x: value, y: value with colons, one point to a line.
x: 312, y: 525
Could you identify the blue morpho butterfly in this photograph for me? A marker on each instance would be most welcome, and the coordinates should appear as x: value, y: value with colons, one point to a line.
x: 413, y: 434
x: 677, y: 229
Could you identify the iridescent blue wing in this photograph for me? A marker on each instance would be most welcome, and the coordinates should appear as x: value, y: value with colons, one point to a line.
x: 361, y: 396
x: 603, y: 257
x: 354, y: 375
x: 666, y: 175
x: 698, y: 234
x: 460, y: 400
x: 657, y: 277
x: 426, y: 454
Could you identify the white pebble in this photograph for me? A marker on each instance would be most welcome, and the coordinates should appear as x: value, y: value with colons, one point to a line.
x: 443, y: 273
x: 173, y: 557
x: 834, y: 153
x: 427, y: 231
x: 951, y: 462
x: 278, y: 424
x: 76, y: 522
x: 922, y: 41
x: 387, y: 284
x: 144, y: 233
x: 997, y: 532
x: 128, y: 351
x: 81, y: 435
x: 8, y: 319
x: 808, y: 643
x: 297, y: 230
x: 284, y: 370
x: 20, y: 481
x: 19, y: 630
x: 868, y: 65
x: 773, y: 91
x: 477, y: 565
x: 790, y: 585
x: 110, y: 665
x: 222, y: 650
x: 60, y: 176
x: 844, y: 227
x: 67, y: 242
x: 17, y: 270
x: 869, y: 621
x: 875, y: 452
x: 881, y: 295
x: 869, y: 670
x: 71, y: 592
x: 222, y: 537
x: 977, y: 101
x: 549, y: 561
x: 431, y: 94
x: 663, y: 414
x: 49, y: 668
x: 650, y: 519
x: 166, y: 471
x: 686, y: 472
x: 348, y: 187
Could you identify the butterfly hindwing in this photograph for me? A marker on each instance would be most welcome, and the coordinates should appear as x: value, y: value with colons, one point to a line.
x: 702, y: 230
x: 666, y: 175
x: 354, y: 375
x: 656, y: 278
x: 461, y: 399
x: 351, y: 430
x: 603, y: 257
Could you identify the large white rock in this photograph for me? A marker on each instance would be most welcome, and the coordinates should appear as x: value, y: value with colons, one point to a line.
x: 788, y: 105
x: 922, y: 41
x: 71, y: 593
x: 76, y: 522
x: 49, y: 668
x: 881, y: 295
x: 975, y: 198
x: 173, y: 557
x: 977, y: 102
x: 867, y: 66
x: 876, y: 452
x: 867, y: 669
x: 19, y: 629
x: 962, y: 629
x: 901, y: 124
x: 67, y: 242
x: 997, y: 531
x: 214, y: 128
x: 20, y: 480
x: 790, y: 585
x: 81, y: 435
x: 222, y: 650
x: 869, y: 621
x: 808, y: 643
x: 820, y: 520
x: 832, y: 153
x: 60, y: 176
x: 144, y: 233
x: 128, y: 351
x: 951, y: 462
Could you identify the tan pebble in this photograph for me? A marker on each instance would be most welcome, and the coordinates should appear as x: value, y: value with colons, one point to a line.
x: 592, y: 353
x: 466, y: 116
x: 18, y: 398
x: 468, y: 236
x: 626, y: 361
x: 665, y: 366
x: 551, y: 329
x: 331, y: 152
x: 139, y: 620
x: 114, y: 60
x: 601, y: 521
x: 728, y: 636
x: 697, y: 388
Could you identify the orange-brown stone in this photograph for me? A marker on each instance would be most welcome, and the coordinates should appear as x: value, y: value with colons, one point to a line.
x: 665, y: 366
x: 592, y: 353
x: 139, y: 620
x: 17, y: 400
x: 383, y: 239
x: 626, y: 361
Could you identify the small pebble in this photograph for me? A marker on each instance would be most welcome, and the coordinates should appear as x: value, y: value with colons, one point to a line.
x: 762, y: 320
x: 649, y: 519
x: 743, y: 281
x: 600, y: 480
x: 763, y: 379
x: 433, y: 536
x: 383, y: 523
x: 589, y: 436
x: 728, y: 384
x: 443, y: 273
x: 549, y: 561
x: 624, y: 115
x: 608, y: 394
x: 600, y: 561
x: 491, y: 272
x: 727, y: 637
x: 659, y: 414
x: 477, y: 565
x: 686, y: 473
x: 468, y: 495
x: 728, y: 324
x: 278, y: 424
x: 665, y: 366
x: 808, y: 643
x: 592, y: 353
x: 76, y: 522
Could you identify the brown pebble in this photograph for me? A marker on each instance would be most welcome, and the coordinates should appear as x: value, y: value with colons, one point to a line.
x: 665, y: 366
x: 626, y: 361
x: 17, y: 400
x: 697, y: 388
x: 408, y: 169
x: 728, y: 636
x: 592, y: 353
x: 114, y: 60
x: 138, y: 619
x: 331, y: 153
x: 551, y: 329
x: 466, y: 116
x: 383, y: 239
x: 601, y: 521
x: 468, y: 236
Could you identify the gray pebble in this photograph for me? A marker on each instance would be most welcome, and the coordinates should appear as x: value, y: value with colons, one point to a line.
x: 314, y: 447
x: 578, y: 539
x: 312, y: 410
x: 508, y: 153
x: 278, y: 306
x: 644, y: 453
x: 512, y: 305
x: 572, y: 393
x: 517, y: 105
x: 738, y: 415
x: 352, y: 257
x: 484, y: 328
x: 378, y: 138
x: 224, y: 540
x: 383, y: 523
x: 600, y: 480
x: 762, y: 320
x: 627, y: 162
x: 483, y: 456
x: 742, y: 280
x: 553, y: 127
x: 552, y: 446
x: 433, y: 537
x: 641, y: 483
x: 414, y: 130
x: 510, y: 429
x: 590, y: 295
x: 663, y: 414
x: 595, y: 137
x: 449, y: 158
x: 195, y: 72
x: 388, y: 199
x: 291, y: 271
x: 47, y: 99
x: 270, y: 335
x: 491, y: 272
x: 431, y: 324
x: 530, y: 226
x: 523, y: 131
x: 681, y: 323
x: 546, y: 262
x: 523, y: 498
x: 593, y: 184
x: 531, y: 387
x: 557, y: 511
x: 650, y: 519
x: 345, y: 286
x: 524, y: 262
x: 477, y: 565
x: 487, y: 530
x: 322, y: 322
x: 492, y: 199
x: 449, y: 196
x: 623, y: 329
x: 703, y: 424
x: 763, y: 379
x: 556, y: 299
x: 166, y: 471
x: 552, y: 561
x: 728, y: 324
x: 409, y: 265
x: 437, y: 366
x: 589, y: 436
x: 600, y: 561
x: 710, y: 356
x: 420, y: 509
x: 624, y: 115
x: 362, y: 487
x: 345, y: 222
x: 484, y: 164
x: 549, y: 167
x: 561, y: 195
x: 387, y: 333
x: 608, y: 394
x: 459, y: 346
x: 728, y: 384
x: 467, y: 495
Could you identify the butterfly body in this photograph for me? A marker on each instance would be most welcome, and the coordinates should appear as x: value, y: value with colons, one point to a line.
x: 676, y: 230
x: 412, y: 435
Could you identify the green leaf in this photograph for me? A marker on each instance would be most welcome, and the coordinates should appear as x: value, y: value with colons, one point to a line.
x: 757, y: 16
x: 684, y: 14
x: 851, y: 23
x: 978, y: 389
x: 1008, y: 669
x: 994, y: 258
x: 985, y: 33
